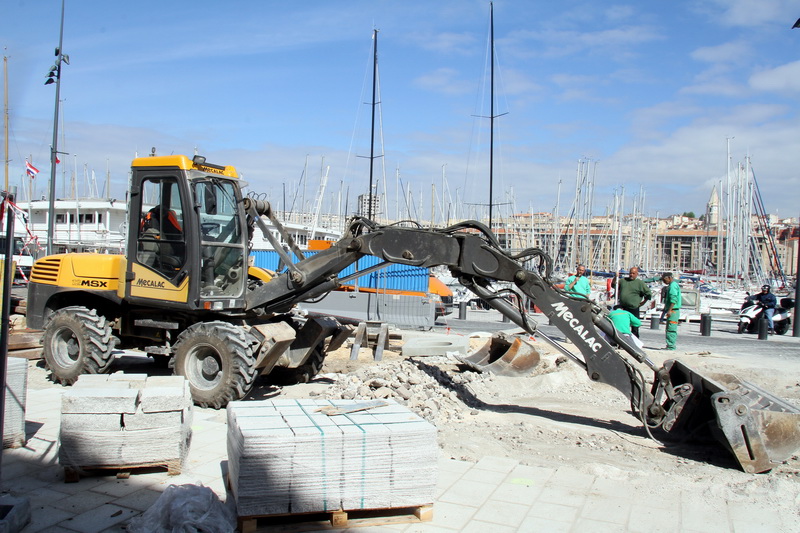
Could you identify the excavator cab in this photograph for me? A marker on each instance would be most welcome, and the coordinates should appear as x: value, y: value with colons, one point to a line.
x: 189, y: 237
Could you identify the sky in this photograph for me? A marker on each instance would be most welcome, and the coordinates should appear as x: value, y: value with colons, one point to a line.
x: 658, y: 98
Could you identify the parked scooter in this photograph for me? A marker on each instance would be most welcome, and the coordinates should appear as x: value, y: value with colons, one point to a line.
x: 752, y: 311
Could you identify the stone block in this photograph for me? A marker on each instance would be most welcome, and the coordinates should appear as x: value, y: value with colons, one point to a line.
x: 15, y: 513
x: 160, y: 399
x: 15, y: 397
x: 87, y: 381
x: 285, y: 455
x: 79, y: 422
x: 100, y: 400
x: 433, y: 344
x: 134, y: 381
x: 142, y: 420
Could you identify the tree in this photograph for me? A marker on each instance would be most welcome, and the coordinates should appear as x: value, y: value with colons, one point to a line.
x: 689, y: 214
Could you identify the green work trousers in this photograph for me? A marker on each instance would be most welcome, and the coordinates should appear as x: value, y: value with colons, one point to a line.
x: 672, y: 328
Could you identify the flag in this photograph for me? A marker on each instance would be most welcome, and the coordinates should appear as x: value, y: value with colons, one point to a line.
x: 30, y: 169
x: 57, y: 160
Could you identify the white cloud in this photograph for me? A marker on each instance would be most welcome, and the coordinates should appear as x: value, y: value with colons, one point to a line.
x: 614, y: 43
x: 445, y: 42
x: 782, y: 79
x: 445, y: 81
x: 730, y: 52
x: 750, y: 13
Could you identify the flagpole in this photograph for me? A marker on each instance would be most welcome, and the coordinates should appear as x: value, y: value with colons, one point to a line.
x: 51, y: 212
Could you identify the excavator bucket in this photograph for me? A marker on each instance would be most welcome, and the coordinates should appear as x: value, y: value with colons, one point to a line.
x: 503, y: 356
x: 760, y: 429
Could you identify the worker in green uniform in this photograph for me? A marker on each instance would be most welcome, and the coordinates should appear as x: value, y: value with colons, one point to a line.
x: 624, y: 322
x: 633, y: 293
x: 672, y: 306
x: 578, y: 285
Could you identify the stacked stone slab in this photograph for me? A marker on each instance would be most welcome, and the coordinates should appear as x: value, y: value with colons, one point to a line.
x: 14, y: 412
x: 125, y: 420
x: 286, y: 456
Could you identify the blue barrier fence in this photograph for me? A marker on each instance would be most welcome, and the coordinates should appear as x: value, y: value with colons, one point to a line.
x: 393, y: 277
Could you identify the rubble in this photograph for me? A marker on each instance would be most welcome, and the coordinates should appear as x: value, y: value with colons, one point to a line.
x: 434, y: 394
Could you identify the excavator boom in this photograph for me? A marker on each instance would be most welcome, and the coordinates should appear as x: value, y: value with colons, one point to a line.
x: 759, y: 429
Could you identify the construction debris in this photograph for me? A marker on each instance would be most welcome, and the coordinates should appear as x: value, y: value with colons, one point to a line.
x: 435, y: 395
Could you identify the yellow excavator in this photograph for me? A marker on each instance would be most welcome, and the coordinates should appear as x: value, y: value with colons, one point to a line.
x: 184, y: 292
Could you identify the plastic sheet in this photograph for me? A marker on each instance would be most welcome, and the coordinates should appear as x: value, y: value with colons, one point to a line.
x: 186, y: 509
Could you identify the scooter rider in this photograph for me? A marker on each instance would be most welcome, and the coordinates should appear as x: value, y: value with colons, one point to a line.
x: 768, y: 301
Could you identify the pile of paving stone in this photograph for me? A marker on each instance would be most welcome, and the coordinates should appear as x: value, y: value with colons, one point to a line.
x: 436, y: 395
x: 14, y: 412
x: 303, y: 456
x: 125, y: 420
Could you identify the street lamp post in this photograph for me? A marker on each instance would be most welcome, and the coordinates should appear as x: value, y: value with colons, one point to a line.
x: 796, y: 327
x: 55, y: 77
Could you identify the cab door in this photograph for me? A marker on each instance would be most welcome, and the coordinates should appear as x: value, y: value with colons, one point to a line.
x: 159, y: 264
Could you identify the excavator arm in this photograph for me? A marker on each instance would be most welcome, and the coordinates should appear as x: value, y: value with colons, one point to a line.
x: 759, y: 429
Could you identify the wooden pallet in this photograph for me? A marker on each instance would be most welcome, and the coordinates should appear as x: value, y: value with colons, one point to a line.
x: 25, y: 343
x: 336, y: 519
x: 72, y: 474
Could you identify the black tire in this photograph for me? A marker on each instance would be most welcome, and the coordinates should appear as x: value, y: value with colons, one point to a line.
x: 77, y: 341
x: 782, y: 327
x: 218, y: 361
x: 742, y: 327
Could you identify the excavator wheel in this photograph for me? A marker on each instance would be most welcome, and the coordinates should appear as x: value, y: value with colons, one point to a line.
x: 218, y: 361
x: 76, y: 341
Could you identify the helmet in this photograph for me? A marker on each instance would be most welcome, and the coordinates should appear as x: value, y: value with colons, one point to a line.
x: 765, y: 287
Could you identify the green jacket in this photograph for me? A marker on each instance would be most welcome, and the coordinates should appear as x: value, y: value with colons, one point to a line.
x: 632, y: 292
x: 582, y: 286
x: 623, y: 320
x: 673, y: 296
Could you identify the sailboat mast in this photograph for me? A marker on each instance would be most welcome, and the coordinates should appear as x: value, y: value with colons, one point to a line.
x: 491, y: 113
x: 372, y: 133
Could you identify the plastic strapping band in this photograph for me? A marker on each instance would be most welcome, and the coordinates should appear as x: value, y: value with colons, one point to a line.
x: 363, y: 455
x: 324, y: 460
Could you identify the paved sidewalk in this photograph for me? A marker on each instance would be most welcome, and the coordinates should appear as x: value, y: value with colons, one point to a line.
x: 495, y: 494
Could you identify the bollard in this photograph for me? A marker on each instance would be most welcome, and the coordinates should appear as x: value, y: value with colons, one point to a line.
x: 462, y: 310
x: 654, y: 322
x: 705, y: 325
x: 506, y: 319
x: 763, y: 328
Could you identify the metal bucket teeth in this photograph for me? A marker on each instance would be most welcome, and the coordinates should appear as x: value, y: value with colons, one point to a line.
x: 503, y: 356
x: 760, y: 429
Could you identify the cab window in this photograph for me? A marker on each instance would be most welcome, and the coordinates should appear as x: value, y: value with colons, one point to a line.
x: 161, y: 243
x: 223, y: 269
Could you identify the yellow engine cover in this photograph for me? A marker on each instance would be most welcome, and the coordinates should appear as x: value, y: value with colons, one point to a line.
x: 80, y: 270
